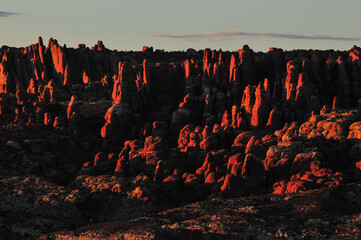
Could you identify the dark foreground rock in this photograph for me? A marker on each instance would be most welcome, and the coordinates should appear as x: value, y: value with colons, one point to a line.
x: 327, y: 213
x: 31, y: 206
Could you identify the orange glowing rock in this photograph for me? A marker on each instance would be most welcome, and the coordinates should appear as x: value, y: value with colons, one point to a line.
x: 146, y: 77
x: 207, y: 81
x: 57, y: 56
x: 233, y: 73
x: 335, y: 104
x: 73, y: 107
x: 248, y: 100
x: 85, y: 78
x: 253, y: 167
x: 188, y: 66
x: 294, y: 186
x: 211, y: 178
x: 125, y: 89
x: 293, y: 71
x: 228, y: 183
x: 121, y: 170
x: 48, y: 119
x: 32, y: 87
x: 280, y: 187
x: 67, y: 80
x: 99, y: 46
x: 275, y: 120
x: 146, y: 49
x: 6, y: 82
x: 260, y: 110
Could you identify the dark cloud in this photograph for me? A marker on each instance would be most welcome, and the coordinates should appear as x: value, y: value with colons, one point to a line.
x: 7, y: 14
x: 231, y: 34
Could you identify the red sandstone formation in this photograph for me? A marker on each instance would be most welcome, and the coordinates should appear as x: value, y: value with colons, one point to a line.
x: 235, y: 83
x: 248, y: 100
x: 194, y: 125
x: 293, y: 71
x: 246, y: 62
x: 57, y: 56
x: 260, y: 110
x: 206, y: 125
x: 99, y: 46
x: 207, y: 81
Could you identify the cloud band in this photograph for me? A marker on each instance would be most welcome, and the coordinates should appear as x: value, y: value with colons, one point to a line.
x: 230, y: 34
x: 7, y: 14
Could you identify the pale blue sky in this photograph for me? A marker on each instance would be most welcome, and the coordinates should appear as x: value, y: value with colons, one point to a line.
x: 178, y: 25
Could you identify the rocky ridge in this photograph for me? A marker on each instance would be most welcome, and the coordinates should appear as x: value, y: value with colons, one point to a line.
x: 193, y: 125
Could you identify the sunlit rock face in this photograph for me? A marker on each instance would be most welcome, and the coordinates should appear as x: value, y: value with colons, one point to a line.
x: 155, y: 128
x: 57, y: 55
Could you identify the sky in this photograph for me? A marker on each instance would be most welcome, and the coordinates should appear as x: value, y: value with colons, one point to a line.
x: 179, y: 25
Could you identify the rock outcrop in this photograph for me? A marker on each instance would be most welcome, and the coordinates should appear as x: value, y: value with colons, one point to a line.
x: 169, y: 128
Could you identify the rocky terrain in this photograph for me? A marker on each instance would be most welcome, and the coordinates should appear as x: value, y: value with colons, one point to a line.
x: 97, y: 144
